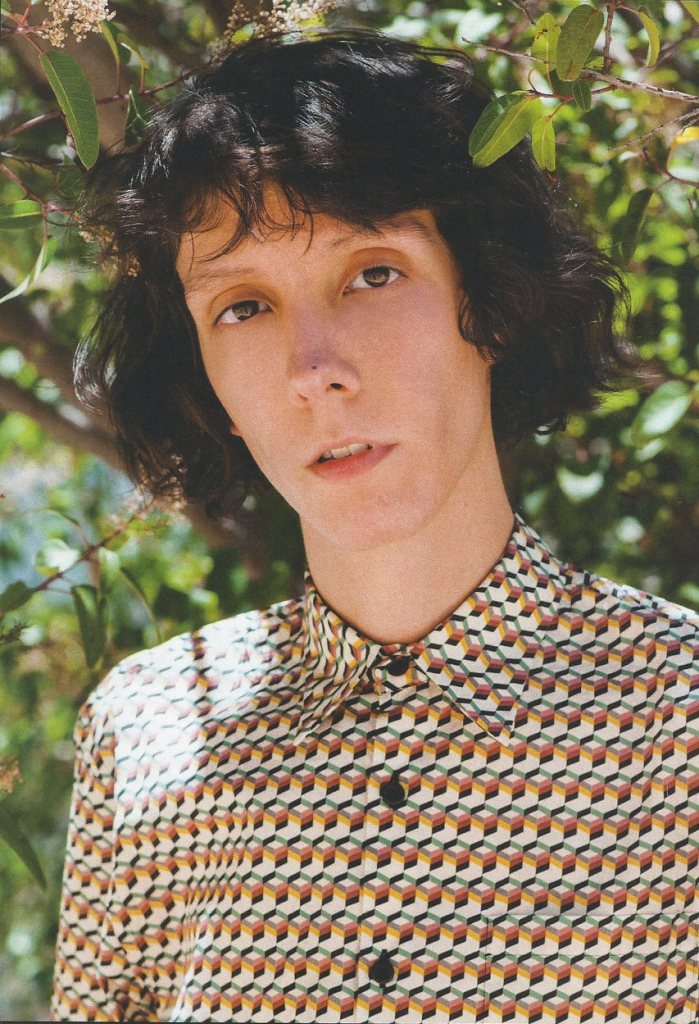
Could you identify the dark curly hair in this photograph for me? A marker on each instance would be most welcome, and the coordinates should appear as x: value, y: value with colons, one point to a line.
x: 361, y: 128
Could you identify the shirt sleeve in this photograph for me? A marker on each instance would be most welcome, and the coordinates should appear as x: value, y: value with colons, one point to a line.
x: 94, y: 980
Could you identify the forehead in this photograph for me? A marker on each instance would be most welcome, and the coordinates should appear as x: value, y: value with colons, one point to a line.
x: 209, y: 251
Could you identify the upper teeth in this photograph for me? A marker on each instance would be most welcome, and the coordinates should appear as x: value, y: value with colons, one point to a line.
x: 342, y: 453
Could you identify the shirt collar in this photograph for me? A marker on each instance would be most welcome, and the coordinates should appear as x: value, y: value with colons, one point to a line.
x: 482, y: 654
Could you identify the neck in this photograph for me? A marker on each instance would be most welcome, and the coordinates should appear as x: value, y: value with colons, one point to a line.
x: 400, y: 591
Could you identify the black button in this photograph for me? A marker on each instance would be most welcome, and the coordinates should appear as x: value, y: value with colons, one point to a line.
x: 399, y: 666
x: 381, y: 971
x: 392, y: 793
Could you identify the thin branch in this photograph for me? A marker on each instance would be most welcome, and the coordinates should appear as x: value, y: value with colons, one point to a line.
x: 691, y: 116
x: 13, y: 398
x: 624, y: 83
x: 611, y: 10
x: 20, y: 328
x: 31, y: 123
x: 589, y: 73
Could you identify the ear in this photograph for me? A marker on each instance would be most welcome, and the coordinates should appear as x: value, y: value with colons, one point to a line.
x: 234, y: 430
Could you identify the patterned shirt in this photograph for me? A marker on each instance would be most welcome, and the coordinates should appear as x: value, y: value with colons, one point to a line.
x: 278, y: 819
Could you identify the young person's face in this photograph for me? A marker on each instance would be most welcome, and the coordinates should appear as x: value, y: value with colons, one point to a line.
x: 340, y: 338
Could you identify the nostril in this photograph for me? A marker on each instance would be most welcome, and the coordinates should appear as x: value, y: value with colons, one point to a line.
x: 338, y: 387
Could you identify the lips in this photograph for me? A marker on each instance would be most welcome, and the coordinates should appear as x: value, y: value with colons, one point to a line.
x: 344, y: 452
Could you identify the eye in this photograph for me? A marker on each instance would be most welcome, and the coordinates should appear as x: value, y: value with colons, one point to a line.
x: 374, y: 277
x: 237, y: 312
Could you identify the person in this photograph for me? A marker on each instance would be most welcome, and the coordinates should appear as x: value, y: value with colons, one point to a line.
x: 456, y: 779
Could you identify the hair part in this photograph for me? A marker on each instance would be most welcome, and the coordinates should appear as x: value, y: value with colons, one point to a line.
x: 360, y: 128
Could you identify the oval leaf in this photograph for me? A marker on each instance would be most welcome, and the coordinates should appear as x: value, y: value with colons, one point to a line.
x: 20, y: 216
x: 501, y: 126
x: 582, y: 94
x: 629, y: 228
x: 14, y: 596
x: 110, y: 566
x: 111, y: 34
x: 545, y: 41
x: 653, y: 36
x: 74, y: 95
x: 692, y: 8
x: 661, y: 411
x: 578, y: 36
x: 14, y: 835
x: 54, y: 555
x: 92, y: 619
x: 544, y: 143
x: 43, y: 259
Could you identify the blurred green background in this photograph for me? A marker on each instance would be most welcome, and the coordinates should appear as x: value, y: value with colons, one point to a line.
x: 617, y: 492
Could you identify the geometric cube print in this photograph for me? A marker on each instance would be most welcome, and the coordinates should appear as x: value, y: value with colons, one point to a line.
x: 278, y: 819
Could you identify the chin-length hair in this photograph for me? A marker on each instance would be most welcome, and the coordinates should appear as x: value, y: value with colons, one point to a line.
x: 360, y: 128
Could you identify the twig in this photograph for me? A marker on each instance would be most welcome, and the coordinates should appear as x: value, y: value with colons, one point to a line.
x: 45, y: 206
x: 691, y: 115
x: 611, y: 10
x: 590, y: 73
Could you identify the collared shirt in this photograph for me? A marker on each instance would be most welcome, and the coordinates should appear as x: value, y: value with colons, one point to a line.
x: 278, y: 819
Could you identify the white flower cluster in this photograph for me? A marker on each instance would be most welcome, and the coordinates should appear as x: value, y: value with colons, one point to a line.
x: 282, y: 16
x: 76, y: 16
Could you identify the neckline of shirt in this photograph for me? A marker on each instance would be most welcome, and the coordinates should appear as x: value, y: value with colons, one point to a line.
x: 463, y: 654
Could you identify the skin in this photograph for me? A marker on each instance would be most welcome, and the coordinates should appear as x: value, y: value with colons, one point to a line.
x: 314, y: 341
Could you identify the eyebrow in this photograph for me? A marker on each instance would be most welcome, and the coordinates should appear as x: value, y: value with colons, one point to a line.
x: 211, y: 275
x: 402, y: 222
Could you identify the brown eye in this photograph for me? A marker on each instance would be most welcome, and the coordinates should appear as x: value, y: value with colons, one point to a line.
x: 240, y: 311
x: 374, y: 277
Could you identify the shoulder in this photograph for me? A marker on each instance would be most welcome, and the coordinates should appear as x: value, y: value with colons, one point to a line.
x: 628, y: 630
x: 220, y: 668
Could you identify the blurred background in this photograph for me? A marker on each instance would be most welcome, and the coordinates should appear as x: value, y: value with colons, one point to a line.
x: 90, y: 572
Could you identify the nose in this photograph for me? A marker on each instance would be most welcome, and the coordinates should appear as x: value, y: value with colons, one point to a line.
x: 320, y: 364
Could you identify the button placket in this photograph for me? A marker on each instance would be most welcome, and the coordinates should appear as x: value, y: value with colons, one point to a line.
x: 393, y: 794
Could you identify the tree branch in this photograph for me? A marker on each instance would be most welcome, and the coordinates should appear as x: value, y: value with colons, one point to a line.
x: 245, y: 533
x: 13, y: 398
x: 589, y: 73
x: 20, y: 328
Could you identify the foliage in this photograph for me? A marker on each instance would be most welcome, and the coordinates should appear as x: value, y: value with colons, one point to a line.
x: 606, y: 91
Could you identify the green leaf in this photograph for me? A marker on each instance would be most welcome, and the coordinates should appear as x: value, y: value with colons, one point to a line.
x: 661, y: 411
x: 628, y: 230
x: 578, y: 487
x: 128, y: 44
x: 54, y: 555
x: 45, y: 256
x: 14, y: 596
x: 111, y: 32
x: 653, y: 36
x: 578, y: 36
x: 14, y: 835
x: 503, y: 124
x: 137, y: 118
x: 136, y: 587
x: 20, y: 216
x: 92, y: 618
x: 546, y: 34
x: 74, y: 95
x: 5, y: 5
x: 582, y: 94
x: 109, y: 563
x: 544, y: 143
x: 692, y: 8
